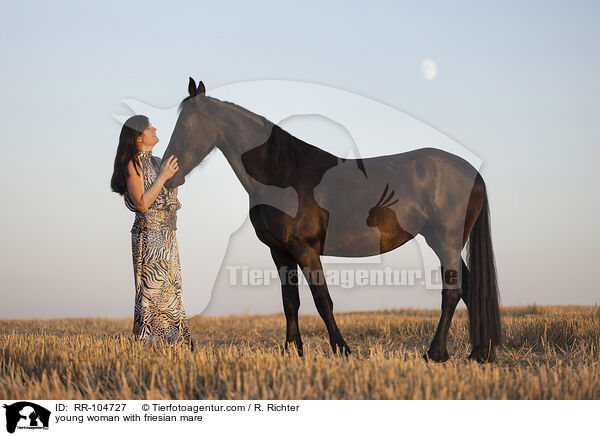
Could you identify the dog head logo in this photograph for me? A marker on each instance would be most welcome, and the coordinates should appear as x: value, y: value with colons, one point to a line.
x: 24, y: 414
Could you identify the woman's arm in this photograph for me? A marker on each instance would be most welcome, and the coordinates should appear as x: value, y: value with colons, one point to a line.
x: 135, y: 187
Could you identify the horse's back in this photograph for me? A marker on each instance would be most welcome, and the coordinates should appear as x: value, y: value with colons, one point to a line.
x: 426, y: 158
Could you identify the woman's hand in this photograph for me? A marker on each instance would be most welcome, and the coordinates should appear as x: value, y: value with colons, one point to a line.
x: 169, y: 168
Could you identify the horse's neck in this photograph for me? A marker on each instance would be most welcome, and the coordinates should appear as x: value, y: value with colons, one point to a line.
x: 244, y: 130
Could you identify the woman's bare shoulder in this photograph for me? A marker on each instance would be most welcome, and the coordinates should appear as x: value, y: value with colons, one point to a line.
x: 131, y: 169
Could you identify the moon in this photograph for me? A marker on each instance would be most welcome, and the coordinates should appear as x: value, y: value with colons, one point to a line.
x: 429, y: 69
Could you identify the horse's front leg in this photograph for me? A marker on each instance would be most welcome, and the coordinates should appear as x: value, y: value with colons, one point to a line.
x: 287, y: 269
x: 310, y: 262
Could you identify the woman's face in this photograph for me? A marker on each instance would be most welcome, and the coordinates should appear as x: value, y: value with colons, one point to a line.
x: 148, y: 137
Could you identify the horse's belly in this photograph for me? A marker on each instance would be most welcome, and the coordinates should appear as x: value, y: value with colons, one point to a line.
x: 368, y: 241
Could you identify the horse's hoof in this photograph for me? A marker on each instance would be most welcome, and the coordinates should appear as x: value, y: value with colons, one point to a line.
x: 341, y: 349
x: 436, y: 355
x: 483, y: 355
x: 298, y: 349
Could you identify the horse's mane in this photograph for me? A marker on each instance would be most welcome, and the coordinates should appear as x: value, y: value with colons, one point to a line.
x: 282, y: 147
x: 284, y: 150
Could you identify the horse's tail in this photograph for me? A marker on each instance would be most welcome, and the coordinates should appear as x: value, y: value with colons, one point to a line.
x: 482, y: 286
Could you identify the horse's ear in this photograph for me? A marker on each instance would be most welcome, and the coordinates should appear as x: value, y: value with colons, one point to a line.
x: 192, y: 87
x: 201, y: 89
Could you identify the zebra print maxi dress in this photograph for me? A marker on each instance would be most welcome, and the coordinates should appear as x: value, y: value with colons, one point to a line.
x: 158, y: 312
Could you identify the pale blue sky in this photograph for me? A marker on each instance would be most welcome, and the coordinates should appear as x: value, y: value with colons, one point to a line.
x: 517, y: 85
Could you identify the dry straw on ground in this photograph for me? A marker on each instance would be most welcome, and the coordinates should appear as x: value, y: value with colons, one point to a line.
x: 549, y: 353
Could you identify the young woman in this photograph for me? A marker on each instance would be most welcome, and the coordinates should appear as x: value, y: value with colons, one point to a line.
x: 139, y: 177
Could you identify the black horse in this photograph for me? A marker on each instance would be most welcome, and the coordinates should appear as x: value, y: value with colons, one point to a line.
x: 306, y: 202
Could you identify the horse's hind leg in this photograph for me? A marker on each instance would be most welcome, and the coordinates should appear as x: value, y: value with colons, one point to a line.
x: 311, y: 266
x: 288, y: 275
x: 450, y: 261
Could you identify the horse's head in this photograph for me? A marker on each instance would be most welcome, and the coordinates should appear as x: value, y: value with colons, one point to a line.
x: 196, y: 132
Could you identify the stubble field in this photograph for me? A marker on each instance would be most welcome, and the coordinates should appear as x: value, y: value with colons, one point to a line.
x: 549, y: 352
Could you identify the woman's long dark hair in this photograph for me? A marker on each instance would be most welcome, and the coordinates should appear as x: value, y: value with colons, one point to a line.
x: 126, y: 151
